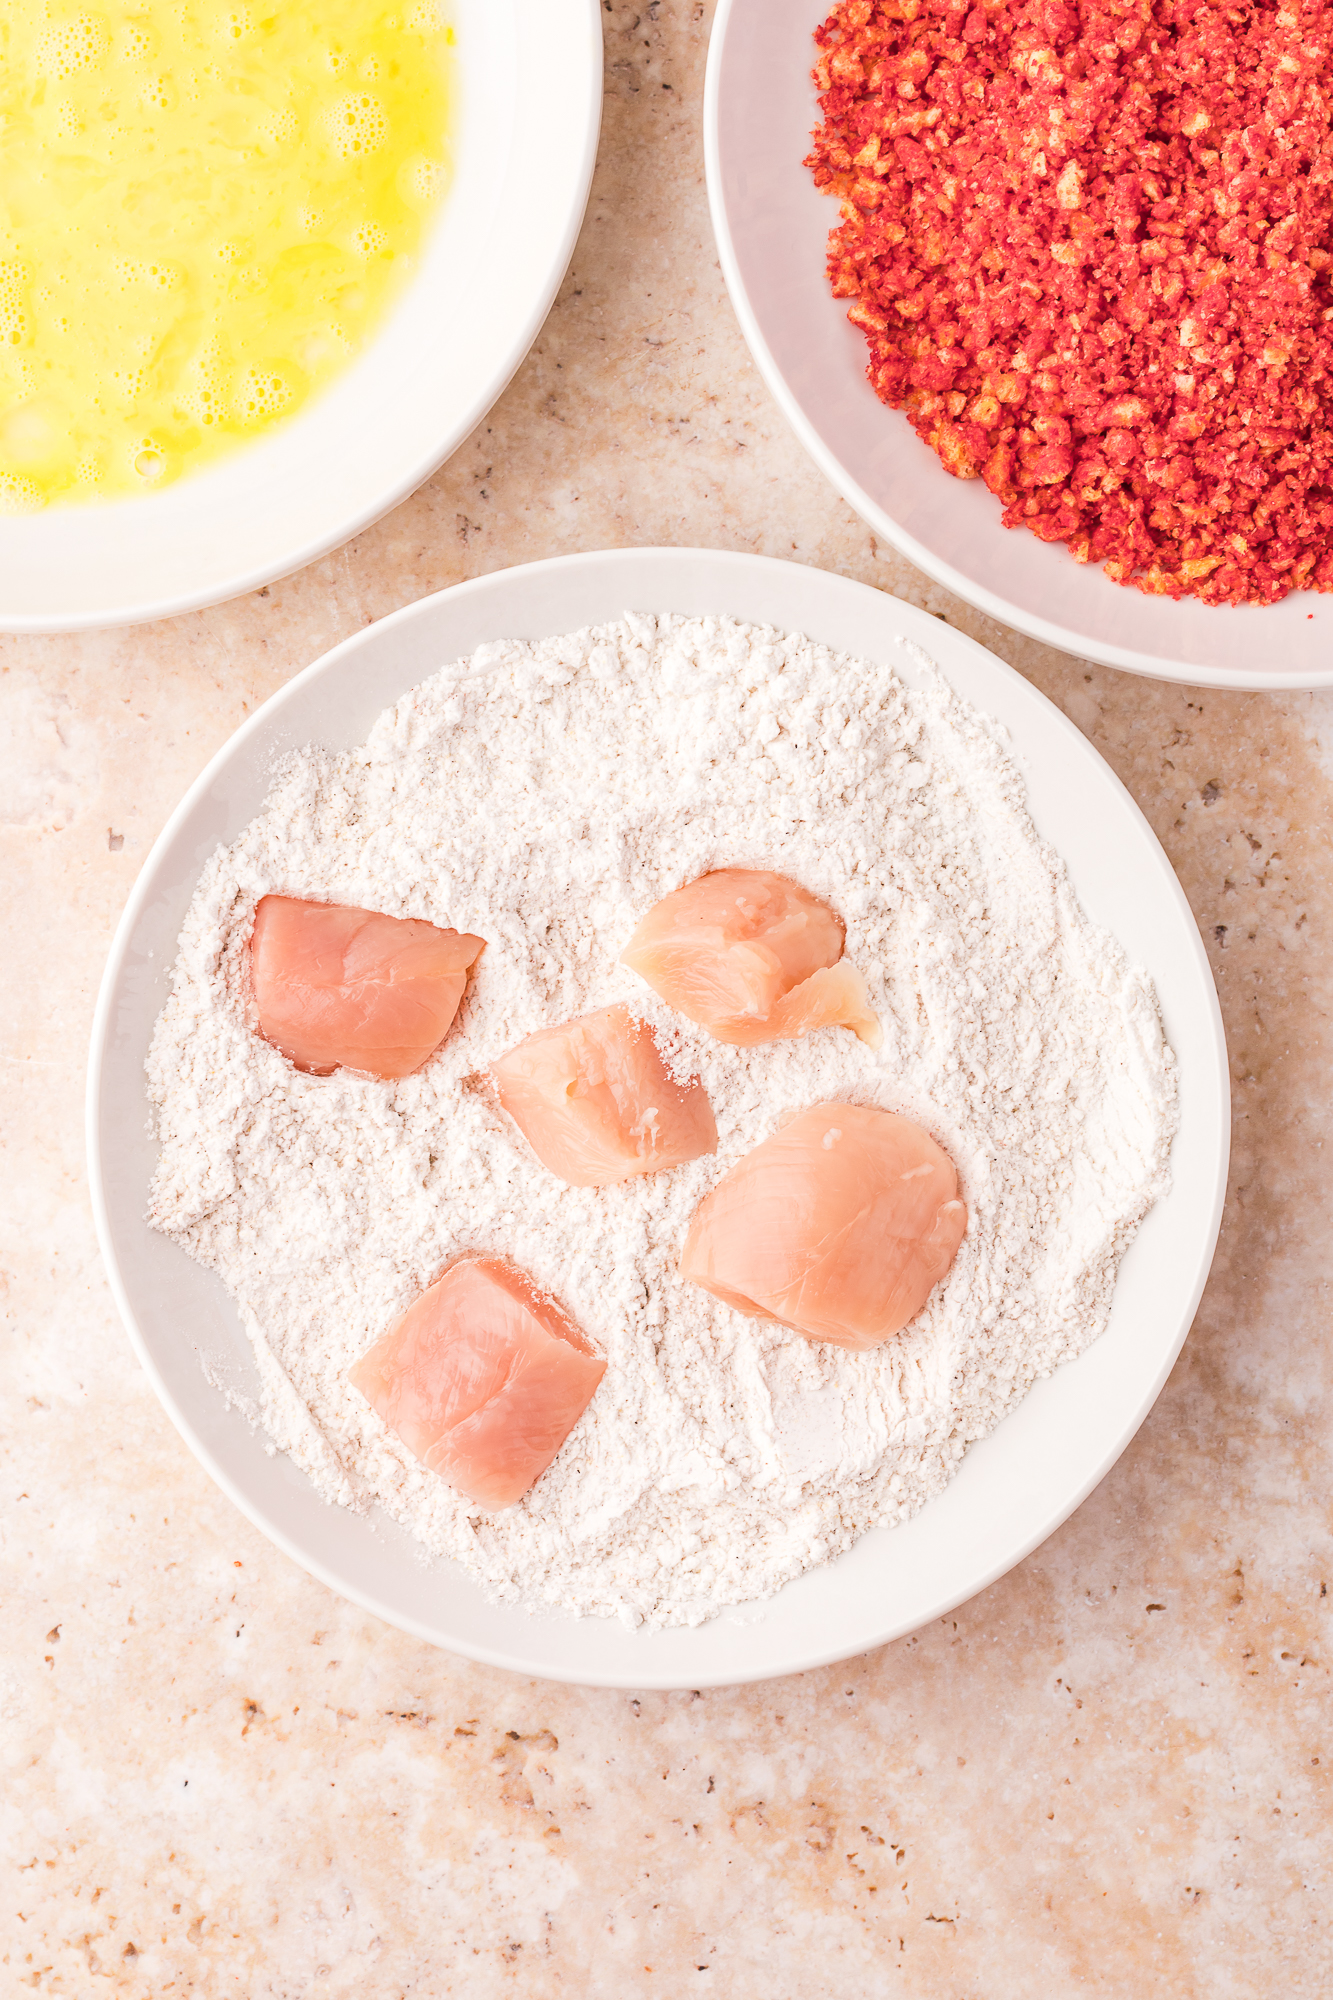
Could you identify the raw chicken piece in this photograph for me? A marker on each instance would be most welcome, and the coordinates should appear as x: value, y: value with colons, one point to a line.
x: 482, y: 1378
x: 748, y: 955
x: 840, y: 1225
x: 337, y: 987
x: 833, y: 997
x: 595, y: 1101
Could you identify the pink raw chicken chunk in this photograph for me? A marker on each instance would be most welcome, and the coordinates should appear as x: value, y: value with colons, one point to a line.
x: 840, y: 1225
x: 337, y: 987
x: 751, y: 957
x: 483, y: 1379
x: 596, y: 1103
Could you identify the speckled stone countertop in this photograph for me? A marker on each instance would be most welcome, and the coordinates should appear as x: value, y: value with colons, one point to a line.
x: 1108, y: 1774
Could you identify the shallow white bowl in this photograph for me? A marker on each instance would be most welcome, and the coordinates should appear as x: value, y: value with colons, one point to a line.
x: 772, y: 227
x: 1013, y: 1488
x: 523, y: 142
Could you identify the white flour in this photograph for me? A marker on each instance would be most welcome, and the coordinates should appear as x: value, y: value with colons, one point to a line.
x: 543, y: 795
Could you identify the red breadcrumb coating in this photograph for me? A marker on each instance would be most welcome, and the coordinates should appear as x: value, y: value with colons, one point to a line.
x: 1089, y: 246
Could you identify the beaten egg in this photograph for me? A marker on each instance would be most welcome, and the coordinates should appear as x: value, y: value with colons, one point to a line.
x: 205, y: 209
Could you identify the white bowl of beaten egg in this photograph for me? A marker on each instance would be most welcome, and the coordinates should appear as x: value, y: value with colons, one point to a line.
x: 260, y: 274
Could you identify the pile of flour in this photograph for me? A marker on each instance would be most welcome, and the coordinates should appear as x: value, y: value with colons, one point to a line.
x: 544, y: 795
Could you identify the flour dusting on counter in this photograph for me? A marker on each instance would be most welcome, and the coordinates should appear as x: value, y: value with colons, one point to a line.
x: 543, y: 795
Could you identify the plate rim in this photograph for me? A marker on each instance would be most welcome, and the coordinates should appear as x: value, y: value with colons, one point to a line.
x: 553, y: 265
x: 1154, y: 666
x: 261, y: 719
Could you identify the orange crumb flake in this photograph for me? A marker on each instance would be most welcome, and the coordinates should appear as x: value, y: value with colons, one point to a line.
x: 1090, y: 249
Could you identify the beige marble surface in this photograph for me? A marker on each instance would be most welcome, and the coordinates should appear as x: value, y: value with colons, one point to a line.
x: 1106, y: 1775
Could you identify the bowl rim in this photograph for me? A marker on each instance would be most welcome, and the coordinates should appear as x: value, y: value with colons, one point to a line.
x: 1209, y: 1054
x: 1081, y: 645
x: 548, y: 262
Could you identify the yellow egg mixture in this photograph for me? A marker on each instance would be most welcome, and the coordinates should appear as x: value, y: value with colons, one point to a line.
x: 204, y: 210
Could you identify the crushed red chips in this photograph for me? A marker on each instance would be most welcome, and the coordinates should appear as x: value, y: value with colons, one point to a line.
x: 1090, y: 245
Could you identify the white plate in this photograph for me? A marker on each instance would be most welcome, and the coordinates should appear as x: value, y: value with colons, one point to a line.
x: 523, y: 142
x: 1013, y: 1488
x: 772, y: 228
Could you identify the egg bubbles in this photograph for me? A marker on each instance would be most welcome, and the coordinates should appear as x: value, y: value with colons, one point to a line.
x: 205, y: 211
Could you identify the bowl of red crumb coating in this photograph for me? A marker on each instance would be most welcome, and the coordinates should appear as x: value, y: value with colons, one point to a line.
x: 1013, y: 1487
x: 772, y: 226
